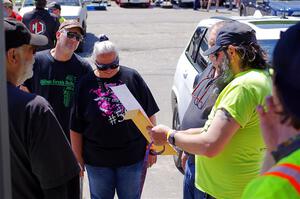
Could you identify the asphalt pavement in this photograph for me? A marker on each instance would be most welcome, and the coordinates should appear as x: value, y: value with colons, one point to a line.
x: 151, y: 41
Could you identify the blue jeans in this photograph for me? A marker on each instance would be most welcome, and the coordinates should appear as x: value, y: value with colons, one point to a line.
x: 189, y: 189
x: 202, y: 195
x: 104, y: 181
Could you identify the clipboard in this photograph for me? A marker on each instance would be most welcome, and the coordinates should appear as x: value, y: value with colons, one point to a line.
x: 142, y: 122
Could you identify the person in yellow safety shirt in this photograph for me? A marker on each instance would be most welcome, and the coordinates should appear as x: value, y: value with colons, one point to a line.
x: 55, y: 8
x: 229, y: 148
x: 281, y: 125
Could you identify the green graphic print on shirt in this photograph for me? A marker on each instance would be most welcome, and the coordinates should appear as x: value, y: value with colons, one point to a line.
x: 68, y: 84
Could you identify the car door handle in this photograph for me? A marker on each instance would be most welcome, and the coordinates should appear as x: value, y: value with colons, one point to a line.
x: 185, y: 74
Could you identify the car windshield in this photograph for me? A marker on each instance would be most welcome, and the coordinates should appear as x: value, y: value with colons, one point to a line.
x: 268, y: 46
x: 61, y: 2
x: 274, y: 24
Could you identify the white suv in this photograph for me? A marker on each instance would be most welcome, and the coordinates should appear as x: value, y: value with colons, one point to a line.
x: 192, y: 62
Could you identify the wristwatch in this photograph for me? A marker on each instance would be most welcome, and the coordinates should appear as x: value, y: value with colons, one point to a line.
x: 171, y: 138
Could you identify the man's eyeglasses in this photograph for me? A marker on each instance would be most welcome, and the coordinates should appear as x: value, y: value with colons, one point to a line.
x: 75, y: 35
x: 216, y: 54
x: 113, y: 65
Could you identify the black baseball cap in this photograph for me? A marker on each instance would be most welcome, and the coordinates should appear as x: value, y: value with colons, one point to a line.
x: 54, y: 5
x: 16, y: 35
x: 232, y: 33
x: 286, y: 62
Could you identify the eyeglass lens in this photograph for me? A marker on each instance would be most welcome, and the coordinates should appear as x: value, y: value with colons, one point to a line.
x: 72, y: 35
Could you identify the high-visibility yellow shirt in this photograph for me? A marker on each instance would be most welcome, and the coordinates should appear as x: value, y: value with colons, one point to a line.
x: 226, y: 175
x: 278, y: 182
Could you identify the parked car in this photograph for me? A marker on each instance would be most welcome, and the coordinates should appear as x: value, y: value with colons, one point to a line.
x: 145, y: 3
x: 191, y: 63
x: 270, y: 7
x: 70, y: 9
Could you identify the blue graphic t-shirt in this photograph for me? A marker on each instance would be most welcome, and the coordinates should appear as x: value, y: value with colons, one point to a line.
x: 108, y: 139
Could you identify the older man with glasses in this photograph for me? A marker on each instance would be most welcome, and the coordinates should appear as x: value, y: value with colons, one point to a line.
x: 57, y: 71
x: 42, y: 162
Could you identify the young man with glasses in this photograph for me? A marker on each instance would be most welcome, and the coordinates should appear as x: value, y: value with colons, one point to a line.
x: 111, y: 148
x: 42, y: 162
x: 57, y: 71
x: 229, y: 148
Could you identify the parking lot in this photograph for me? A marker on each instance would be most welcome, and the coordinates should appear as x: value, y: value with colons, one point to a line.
x: 151, y: 41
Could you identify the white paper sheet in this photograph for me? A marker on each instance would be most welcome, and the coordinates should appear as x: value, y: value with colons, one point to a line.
x: 126, y: 98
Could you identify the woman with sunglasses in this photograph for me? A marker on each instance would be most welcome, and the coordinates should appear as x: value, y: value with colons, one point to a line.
x: 110, y: 148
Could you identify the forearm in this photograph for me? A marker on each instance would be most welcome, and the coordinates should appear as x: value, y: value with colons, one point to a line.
x: 76, y: 143
x: 195, y: 142
x: 153, y: 119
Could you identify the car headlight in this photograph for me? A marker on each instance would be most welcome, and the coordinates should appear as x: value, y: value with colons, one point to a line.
x: 281, y: 12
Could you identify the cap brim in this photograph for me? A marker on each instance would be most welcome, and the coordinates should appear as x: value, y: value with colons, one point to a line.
x: 211, y: 50
x: 74, y: 26
x: 38, y: 40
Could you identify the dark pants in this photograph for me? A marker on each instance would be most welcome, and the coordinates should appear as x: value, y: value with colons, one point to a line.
x: 196, y: 4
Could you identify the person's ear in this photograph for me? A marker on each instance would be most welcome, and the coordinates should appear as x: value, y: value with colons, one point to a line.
x: 58, y: 33
x: 231, y: 50
x: 11, y: 56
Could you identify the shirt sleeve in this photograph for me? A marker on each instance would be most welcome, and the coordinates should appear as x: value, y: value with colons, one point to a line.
x: 240, y: 103
x: 77, y: 124
x: 146, y: 98
x: 51, y: 156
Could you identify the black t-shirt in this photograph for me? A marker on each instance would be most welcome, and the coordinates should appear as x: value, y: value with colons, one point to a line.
x: 203, y: 99
x: 41, y: 157
x: 56, y: 81
x: 108, y: 139
x: 40, y: 21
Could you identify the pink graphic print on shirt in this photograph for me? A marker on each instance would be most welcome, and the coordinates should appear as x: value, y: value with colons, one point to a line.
x: 108, y: 103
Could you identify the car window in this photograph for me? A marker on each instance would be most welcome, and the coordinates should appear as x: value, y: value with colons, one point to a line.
x: 201, y: 61
x: 268, y: 46
x: 274, y: 24
x: 193, y: 47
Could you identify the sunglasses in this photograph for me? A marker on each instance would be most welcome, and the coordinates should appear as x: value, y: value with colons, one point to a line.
x: 75, y: 35
x: 216, y: 54
x: 113, y: 65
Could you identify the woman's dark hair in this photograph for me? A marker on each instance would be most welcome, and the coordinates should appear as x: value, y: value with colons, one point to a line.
x: 286, y: 115
x: 252, y: 55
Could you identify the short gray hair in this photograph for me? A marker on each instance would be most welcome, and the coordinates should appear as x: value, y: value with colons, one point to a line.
x: 104, y: 47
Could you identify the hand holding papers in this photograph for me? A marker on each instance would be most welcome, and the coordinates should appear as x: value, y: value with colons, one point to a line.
x: 136, y: 113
